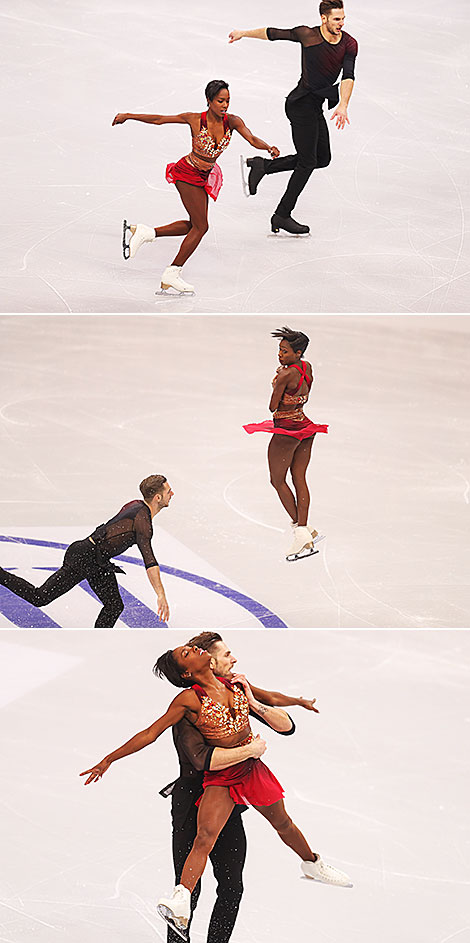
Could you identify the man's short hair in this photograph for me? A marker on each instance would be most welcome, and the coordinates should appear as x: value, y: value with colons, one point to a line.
x: 151, y: 486
x: 326, y: 6
x: 205, y: 640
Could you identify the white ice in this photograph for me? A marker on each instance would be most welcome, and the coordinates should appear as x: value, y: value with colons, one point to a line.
x: 91, y: 405
x: 388, y: 216
x: 378, y: 781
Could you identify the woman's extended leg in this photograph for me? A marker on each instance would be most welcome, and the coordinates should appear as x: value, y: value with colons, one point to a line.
x: 195, y: 201
x: 281, y: 451
x: 312, y: 864
x: 214, y: 810
x: 288, y: 832
x: 298, y: 468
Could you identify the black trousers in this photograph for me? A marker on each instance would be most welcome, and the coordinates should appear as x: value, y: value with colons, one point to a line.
x: 312, y: 146
x: 79, y: 564
x: 227, y: 859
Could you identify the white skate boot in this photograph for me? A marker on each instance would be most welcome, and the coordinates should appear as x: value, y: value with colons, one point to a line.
x: 139, y: 234
x: 302, y: 544
x: 176, y: 910
x: 171, y: 278
x: 325, y: 873
x: 315, y: 535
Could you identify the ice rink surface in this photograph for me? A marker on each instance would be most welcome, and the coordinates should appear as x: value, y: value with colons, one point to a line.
x: 91, y: 405
x: 377, y: 781
x: 388, y: 216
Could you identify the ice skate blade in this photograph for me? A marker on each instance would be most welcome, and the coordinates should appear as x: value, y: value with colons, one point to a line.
x: 301, y: 555
x: 169, y: 292
x: 276, y: 233
x: 170, y: 919
x: 126, y: 250
x: 306, y: 877
x: 244, y: 173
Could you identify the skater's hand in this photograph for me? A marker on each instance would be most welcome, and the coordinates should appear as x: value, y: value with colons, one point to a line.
x: 96, y: 772
x: 234, y: 35
x: 119, y: 119
x: 241, y: 679
x: 341, y: 115
x: 274, y: 151
x: 258, y: 747
x: 304, y: 702
x: 163, y: 609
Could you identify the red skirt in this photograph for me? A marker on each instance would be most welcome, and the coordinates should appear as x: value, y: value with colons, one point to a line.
x: 249, y: 783
x: 299, y: 430
x: 210, y: 179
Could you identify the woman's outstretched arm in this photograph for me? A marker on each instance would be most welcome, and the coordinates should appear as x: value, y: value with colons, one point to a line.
x: 184, y: 118
x: 237, y: 124
x: 186, y: 702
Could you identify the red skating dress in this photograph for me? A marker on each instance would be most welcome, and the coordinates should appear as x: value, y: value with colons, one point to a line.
x: 185, y: 170
x: 249, y: 782
x: 291, y: 421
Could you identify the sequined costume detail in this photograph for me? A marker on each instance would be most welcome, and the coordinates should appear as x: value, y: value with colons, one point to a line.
x: 203, y: 143
x: 216, y: 721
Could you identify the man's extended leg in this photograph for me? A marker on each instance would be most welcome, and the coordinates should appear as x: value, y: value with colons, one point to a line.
x: 227, y: 858
x: 63, y: 580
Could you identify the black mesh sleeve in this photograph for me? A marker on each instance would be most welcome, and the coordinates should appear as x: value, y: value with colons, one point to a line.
x: 350, y: 59
x: 283, y: 733
x: 143, y: 537
x: 192, y: 743
x: 292, y: 35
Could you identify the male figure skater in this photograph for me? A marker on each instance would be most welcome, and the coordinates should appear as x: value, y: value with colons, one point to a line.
x: 90, y: 559
x: 326, y: 51
x: 195, y: 756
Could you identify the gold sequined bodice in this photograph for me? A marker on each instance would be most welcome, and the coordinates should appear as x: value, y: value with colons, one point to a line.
x: 216, y: 721
x: 204, y: 144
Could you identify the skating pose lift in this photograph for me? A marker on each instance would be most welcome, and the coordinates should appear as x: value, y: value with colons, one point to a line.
x: 90, y: 559
x: 220, y: 710
x: 291, y: 444
x: 327, y: 51
x: 196, y: 177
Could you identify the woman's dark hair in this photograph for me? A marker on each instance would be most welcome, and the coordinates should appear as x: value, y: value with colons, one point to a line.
x: 167, y: 667
x: 213, y: 88
x: 296, y: 339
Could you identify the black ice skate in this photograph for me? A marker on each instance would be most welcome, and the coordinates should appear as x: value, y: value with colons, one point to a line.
x: 288, y: 225
x: 256, y: 173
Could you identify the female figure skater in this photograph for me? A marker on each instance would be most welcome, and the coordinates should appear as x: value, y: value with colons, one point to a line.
x: 220, y: 710
x: 196, y: 177
x: 291, y: 444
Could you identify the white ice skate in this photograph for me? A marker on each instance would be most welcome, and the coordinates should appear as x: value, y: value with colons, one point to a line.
x: 325, y: 873
x: 315, y: 535
x: 302, y: 544
x: 139, y: 234
x: 176, y: 910
x: 171, y: 278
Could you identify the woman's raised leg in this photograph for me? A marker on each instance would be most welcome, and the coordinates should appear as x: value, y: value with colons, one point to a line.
x: 214, y: 810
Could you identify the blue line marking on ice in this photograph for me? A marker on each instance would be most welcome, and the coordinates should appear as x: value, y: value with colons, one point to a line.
x: 267, y: 618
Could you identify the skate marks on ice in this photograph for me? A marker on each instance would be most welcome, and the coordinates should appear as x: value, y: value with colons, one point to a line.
x: 386, y: 216
x: 361, y: 778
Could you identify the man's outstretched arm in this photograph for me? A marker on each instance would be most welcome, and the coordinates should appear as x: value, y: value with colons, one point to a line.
x: 260, y: 33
